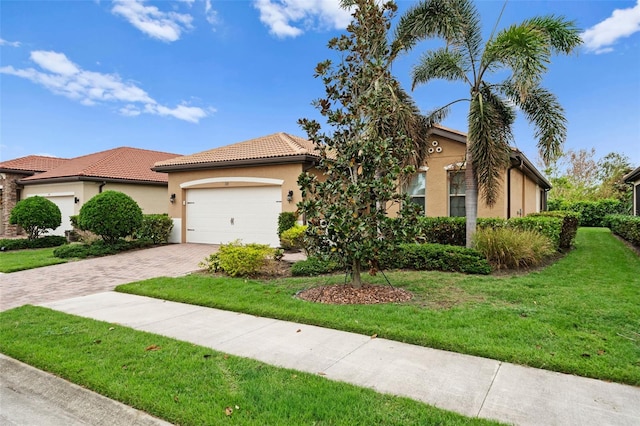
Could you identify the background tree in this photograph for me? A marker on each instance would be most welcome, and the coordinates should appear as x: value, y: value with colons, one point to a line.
x: 364, y: 156
x: 35, y: 215
x: 523, y: 50
x: 110, y: 214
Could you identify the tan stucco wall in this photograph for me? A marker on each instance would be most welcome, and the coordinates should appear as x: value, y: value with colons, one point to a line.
x: 288, y: 173
x: 150, y: 198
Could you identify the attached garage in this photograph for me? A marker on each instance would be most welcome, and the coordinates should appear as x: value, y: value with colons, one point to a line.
x: 222, y: 215
x: 67, y: 208
x: 237, y: 192
x: 66, y: 204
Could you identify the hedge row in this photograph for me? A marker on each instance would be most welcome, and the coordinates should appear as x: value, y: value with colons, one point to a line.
x: 592, y: 213
x: 419, y: 257
x: 23, y: 243
x: 627, y: 227
x: 98, y: 248
x: 560, y: 227
x: 439, y: 257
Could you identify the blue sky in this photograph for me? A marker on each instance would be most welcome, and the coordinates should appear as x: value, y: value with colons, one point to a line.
x: 184, y: 76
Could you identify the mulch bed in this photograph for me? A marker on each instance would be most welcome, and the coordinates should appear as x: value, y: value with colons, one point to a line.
x: 345, y: 294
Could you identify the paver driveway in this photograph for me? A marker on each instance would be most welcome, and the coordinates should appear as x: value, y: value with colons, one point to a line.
x: 97, y: 275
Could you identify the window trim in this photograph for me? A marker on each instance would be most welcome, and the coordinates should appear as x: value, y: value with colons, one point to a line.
x: 450, y: 174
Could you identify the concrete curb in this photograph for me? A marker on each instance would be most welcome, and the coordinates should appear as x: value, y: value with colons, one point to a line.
x: 53, y: 401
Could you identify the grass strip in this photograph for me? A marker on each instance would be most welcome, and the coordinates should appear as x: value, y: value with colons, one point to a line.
x: 12, y: 261
x: 188, y: 384
x: 580, y: 315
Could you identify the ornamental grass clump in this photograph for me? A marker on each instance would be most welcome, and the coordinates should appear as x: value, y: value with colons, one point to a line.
x: 513, y: 248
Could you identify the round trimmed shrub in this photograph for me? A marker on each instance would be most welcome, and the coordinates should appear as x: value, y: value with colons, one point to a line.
x: 35, y: 215
x: 112, y: 215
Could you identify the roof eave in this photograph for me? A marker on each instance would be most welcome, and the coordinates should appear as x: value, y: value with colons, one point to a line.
x: 270, y: 161
x: 632, y: 176
x: 18, y: 171
x: 447, y: 134
x: 64, y: 179
x: 530, y: 169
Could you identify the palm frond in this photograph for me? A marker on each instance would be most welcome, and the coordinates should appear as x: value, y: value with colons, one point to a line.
x: 440, y: 64
x: 563, y: 35
x: 455, y: 21
x: 543, y: 110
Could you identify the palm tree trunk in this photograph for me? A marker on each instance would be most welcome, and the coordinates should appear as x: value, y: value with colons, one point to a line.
x: 470, y: 197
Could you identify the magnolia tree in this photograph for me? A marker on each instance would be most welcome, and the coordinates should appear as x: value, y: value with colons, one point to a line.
x: 365, y: 154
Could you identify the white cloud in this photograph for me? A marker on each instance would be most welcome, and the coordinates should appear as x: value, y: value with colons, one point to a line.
x: 61, y: 76
x: 165, y: 26
x: 290, y: 18
x: 210, y: 13
x: 4, y: 42
x: 622, y: 23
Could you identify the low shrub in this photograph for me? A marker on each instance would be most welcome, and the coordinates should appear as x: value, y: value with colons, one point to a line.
x: 24, y: 243
x: 442, y: 230
x: 313, y: 266
x: 286, y: 220
x: 237, y: 259
x: 99, y: 248
x: 513, y: 248
x: 570, y: 222
x: 155, y: 227
x: 438, y: 257
x: 35, y: 215
x: 591, y: 212
x: 627, y: 227
x: 293, y: 238
x: 112, y: 215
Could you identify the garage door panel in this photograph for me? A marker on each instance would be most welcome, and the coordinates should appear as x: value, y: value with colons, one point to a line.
x: 66, y: 206
x: 223, y: 215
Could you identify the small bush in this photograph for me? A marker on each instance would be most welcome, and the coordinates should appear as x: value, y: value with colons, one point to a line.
x: 442, y: 230
x: 236, y: 259
x: 627, y: 227
x: 286, y: 220
x: 513, y: 248
x: 293, y: 238
x: 98, y: 248
x: 570, y: 222
x: 313, y: 266
x: 110, y: 214
x: 35, y: 215
x: 23, y: 243
x: 438, y: 257
x: 155, y: 227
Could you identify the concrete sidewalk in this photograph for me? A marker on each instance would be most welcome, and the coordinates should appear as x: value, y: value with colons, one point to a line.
x: 469, y: 385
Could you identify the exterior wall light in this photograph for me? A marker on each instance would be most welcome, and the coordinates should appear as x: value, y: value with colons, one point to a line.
x: 172, y: 198
x: 290, y: 196
x: 76, y: 200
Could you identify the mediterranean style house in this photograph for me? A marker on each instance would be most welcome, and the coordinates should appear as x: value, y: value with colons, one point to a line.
x: 237, y: 191
x: 69, y: 183
x: 633, y: 178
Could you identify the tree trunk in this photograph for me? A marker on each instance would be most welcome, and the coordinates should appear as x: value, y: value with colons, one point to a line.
x: 356, y: 279
x: 470, y: 197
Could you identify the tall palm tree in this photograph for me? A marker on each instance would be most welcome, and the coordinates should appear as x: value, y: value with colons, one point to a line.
x: 524, y: 50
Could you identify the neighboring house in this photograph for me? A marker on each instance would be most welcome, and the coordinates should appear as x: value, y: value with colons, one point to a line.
x: 237, y: 191
x: 10, y: 191
x: 74, y: 181
x: 634, y: 179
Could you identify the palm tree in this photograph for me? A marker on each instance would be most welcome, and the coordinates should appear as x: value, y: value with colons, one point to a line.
x: 524, y: 50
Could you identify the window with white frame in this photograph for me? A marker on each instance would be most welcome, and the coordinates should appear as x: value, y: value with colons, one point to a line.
x: 416, y: 189
x: 457, y: 189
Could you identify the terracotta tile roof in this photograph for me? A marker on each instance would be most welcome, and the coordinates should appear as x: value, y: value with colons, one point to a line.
x: 33, y: 163
x: 119, y: 163
x: 448, y: 129
x: 271, y: 146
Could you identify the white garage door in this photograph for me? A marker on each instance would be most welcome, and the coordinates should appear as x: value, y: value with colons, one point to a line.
x: 222, y: 215
x: 65, y: 204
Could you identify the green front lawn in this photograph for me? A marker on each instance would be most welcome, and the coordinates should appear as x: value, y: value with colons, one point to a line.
x: 188, y: 384
x: 580, y: 315
x: 19, y: 260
